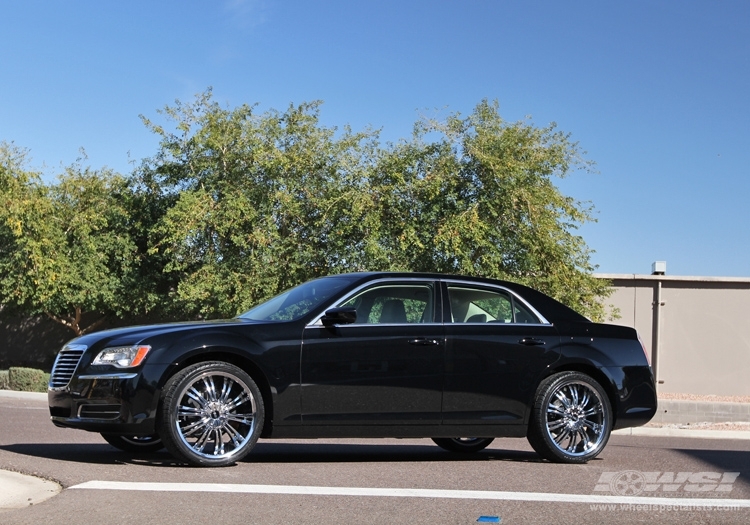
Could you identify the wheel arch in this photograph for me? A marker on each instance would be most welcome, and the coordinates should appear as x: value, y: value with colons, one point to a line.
x: 231, y: 356
x: 596, y: 374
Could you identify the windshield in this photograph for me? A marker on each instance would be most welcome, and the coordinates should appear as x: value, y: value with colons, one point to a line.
x: 299, y: 301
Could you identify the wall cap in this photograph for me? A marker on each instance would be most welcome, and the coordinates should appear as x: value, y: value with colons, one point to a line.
x: 681, y: 278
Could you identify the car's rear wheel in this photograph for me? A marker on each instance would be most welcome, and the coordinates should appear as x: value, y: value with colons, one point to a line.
x: 464, y: 444
x: 151, y: 443
x: 211, y: 414
x: 571, y: 419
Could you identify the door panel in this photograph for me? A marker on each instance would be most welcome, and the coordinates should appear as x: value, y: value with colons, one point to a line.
x: 496, y: 352
x: 387, y: 368
x: 491, y: 375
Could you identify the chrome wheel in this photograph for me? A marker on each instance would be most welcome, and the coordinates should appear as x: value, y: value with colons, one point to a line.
x: 572, y: 418
x: 213, y: 413
x: 575, y: 418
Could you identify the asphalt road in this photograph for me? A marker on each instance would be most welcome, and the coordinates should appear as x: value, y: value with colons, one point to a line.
x: 374, y: 481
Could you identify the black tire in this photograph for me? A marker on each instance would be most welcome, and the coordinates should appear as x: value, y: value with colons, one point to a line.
x: 571, y: 419
x: 463, y: 444
x: 151, y: 443
x: 211, y: 414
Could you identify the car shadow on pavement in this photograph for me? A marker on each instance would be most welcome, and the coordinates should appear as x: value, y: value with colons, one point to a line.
x: 92, y: 453
x: 270, y: 452
x: 722, y: 460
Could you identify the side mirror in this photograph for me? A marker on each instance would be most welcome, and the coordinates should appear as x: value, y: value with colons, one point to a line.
x: 341, y: 315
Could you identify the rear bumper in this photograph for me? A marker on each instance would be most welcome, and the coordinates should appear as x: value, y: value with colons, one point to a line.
x: 635, y: 402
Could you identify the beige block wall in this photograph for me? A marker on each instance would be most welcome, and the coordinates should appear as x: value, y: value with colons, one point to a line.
x: 704, y: 334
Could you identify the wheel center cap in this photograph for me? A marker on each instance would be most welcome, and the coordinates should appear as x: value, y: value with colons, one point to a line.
x: 574, y: 418
x: 216, y: 414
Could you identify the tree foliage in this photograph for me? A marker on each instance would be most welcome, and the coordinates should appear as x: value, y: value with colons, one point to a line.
x: 238, y: 205
x: 66, y: 249
x: 262, y: 202
x: 253, y: 201
x: 480, y: 199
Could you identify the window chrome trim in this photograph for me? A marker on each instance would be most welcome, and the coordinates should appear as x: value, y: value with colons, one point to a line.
x: 317, y: 323
x: 394, y: 281
x: 544, y: 321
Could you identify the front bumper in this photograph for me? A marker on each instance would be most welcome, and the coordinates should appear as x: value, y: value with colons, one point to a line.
x: 106, y: 402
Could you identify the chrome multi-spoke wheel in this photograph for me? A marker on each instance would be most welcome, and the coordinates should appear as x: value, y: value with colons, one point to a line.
x: 151, y: 443
x: 211, y: 414
x: 464, y: 444
x: 572, y: 418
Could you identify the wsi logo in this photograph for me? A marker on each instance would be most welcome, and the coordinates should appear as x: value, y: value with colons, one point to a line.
x: 634, y: 482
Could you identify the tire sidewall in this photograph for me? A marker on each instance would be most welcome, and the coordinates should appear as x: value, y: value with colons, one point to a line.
x: 167, y: 415
x: 538, y: 433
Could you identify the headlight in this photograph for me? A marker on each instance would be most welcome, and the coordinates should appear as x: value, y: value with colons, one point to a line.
x: 122, y: 356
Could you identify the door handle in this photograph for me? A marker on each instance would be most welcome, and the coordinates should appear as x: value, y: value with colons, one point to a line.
x: 531, y: 341
x: 421, y: 341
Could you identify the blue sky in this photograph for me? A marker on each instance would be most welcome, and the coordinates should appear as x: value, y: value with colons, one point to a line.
x: 656, y: 92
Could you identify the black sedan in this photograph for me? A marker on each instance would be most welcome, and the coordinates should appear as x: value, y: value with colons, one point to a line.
x: 457, y: 359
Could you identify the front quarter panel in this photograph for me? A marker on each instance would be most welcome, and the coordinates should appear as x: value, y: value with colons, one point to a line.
x: 270, y: 353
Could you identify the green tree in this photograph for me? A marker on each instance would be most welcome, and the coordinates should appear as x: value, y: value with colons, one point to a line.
x: 20, y: 190
x: 67, y: 251
x: 254, y: 201
x: 480, y: 199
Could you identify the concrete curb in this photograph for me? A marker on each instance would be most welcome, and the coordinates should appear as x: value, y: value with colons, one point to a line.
x: 689, y: 412
x: 18, y: 491
x: 682, y: 433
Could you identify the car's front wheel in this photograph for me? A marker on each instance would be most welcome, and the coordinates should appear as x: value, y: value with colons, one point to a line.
x: 151, y: 443
x: 465, y: 444
x: 211, y: 414
x: 571, y: 419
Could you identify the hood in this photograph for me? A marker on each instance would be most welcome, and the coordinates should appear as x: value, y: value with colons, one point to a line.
x: 135, y: 334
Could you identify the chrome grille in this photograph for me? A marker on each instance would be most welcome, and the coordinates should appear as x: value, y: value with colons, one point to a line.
x: 65, y: 365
